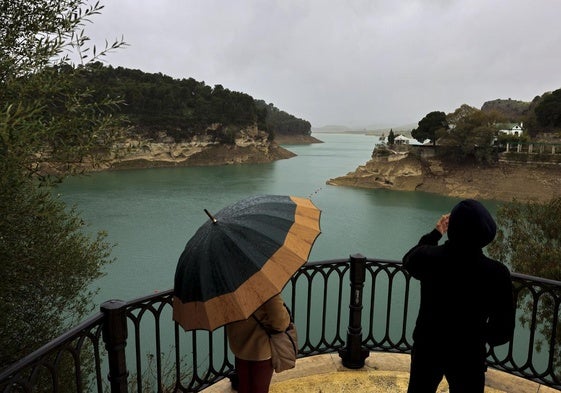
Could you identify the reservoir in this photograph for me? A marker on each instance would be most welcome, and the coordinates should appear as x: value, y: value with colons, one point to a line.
x: 150, y: 214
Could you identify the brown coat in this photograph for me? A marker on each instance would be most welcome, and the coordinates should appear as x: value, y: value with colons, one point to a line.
x: 248, y: 340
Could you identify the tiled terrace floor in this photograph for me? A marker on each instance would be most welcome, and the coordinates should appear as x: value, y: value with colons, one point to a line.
x: 383, y: 372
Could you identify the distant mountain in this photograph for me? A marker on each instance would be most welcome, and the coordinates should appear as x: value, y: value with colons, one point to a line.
x: 333, y: 129
x: 512, y: 110
x: 373, y: 129
x: 401, y: 128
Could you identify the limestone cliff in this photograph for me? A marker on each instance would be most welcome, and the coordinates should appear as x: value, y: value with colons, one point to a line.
x: 249, y: 146
x: 503, y: 182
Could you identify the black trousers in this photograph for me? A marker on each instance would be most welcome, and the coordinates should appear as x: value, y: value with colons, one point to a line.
x: 464, y: 371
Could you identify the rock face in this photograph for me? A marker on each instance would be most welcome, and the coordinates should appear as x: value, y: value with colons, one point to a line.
x: 250, y: 146
x: 503, y: 182
x: 296, y: 139
x: 399, y: 172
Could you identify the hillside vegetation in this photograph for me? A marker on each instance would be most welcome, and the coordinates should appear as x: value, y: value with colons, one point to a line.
x: 159, y: 106
x: 511, y: 110
x: 540, y: 116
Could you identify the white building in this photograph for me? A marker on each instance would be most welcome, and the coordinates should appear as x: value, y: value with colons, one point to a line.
x: 513, y: 131
x: 403, y: 140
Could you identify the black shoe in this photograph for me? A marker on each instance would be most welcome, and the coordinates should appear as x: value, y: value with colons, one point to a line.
x: 234, y: 380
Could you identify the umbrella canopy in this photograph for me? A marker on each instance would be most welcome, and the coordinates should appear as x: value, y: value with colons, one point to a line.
x: 241, y: 257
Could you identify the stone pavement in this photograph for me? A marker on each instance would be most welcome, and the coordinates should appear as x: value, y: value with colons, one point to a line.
x: 383, y: 372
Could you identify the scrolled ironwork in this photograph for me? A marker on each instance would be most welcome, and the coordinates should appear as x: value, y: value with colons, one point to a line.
x: 160, y: 356
x: 46, y: 370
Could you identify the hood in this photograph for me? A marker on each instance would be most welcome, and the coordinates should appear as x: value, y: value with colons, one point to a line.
x: 471, y: 225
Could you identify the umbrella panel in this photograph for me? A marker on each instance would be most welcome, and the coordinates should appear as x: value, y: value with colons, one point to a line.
x: 231, y: 267
x: 223, y: 255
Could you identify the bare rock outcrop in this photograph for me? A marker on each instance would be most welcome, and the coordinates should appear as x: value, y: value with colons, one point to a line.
x: 400, y: 172
x: 502, y: 182
x: 250, y: 145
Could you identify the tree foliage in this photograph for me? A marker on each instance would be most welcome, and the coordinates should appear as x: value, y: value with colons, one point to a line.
x: 391, y: 137
x: 460, y: 115
x: 471, y: 135
x: 157, y: 104
x: 529, y: 240
x: 430, y: 126
x: 281, y: 122
x: 548, y: 111
x: 48, y: 261
x: 179, y: 107
x: 49, y: 122
x: 44, y: 115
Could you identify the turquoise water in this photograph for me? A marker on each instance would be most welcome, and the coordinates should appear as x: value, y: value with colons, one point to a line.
x: 151, y: 213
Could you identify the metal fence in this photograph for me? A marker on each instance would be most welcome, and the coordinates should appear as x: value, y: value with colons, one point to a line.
x: 351, y: 306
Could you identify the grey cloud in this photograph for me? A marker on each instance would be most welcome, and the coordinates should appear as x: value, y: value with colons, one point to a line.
x: 355, y: 63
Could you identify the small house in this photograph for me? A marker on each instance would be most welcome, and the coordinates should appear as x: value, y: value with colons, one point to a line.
x: 515, y: 130
x: 402, y: 140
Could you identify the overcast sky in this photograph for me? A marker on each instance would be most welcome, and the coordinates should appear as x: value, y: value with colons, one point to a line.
x: 358, y: 63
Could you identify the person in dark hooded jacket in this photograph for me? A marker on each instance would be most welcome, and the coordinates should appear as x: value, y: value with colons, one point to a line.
x: 466, y: 302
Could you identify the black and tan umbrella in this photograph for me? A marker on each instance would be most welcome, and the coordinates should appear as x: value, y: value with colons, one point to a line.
x: 241, y: 257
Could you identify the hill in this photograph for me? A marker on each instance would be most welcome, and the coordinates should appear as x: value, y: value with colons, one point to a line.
x: 511, y: 110
x: 281, y: 123
x: 179, y: 122
x: 160, y: 107
x: 541, y: 116
x: 332, y: 129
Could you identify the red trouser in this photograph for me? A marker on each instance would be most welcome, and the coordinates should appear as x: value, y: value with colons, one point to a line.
x: 254, y: 376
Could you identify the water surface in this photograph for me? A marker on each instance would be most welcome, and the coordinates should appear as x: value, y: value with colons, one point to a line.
x: 151, y: 213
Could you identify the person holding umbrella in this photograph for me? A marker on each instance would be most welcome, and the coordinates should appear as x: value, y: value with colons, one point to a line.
x: 232, y: 271
x: 466, y: 302
x: 250, y: 344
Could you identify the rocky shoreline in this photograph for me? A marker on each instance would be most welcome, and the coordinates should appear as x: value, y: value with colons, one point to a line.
x: 400, y: 171
x: 250, y: 146
x: 504, y: 182
x: 177, y: 155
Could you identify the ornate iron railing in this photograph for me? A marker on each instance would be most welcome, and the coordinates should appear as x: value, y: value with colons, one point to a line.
x: 350, y: 306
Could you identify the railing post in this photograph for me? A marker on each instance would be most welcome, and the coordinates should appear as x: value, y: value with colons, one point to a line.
x: 353, y: 354
x: 115, y: 338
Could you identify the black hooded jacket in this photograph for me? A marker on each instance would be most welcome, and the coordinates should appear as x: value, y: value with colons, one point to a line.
x: 466, y: 297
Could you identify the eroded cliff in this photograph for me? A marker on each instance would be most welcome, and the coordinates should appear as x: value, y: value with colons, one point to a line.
x: 250, y: 145
x: 503, y: 182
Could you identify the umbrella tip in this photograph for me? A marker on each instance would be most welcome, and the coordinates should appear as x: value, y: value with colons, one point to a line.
x: 210, y: 216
